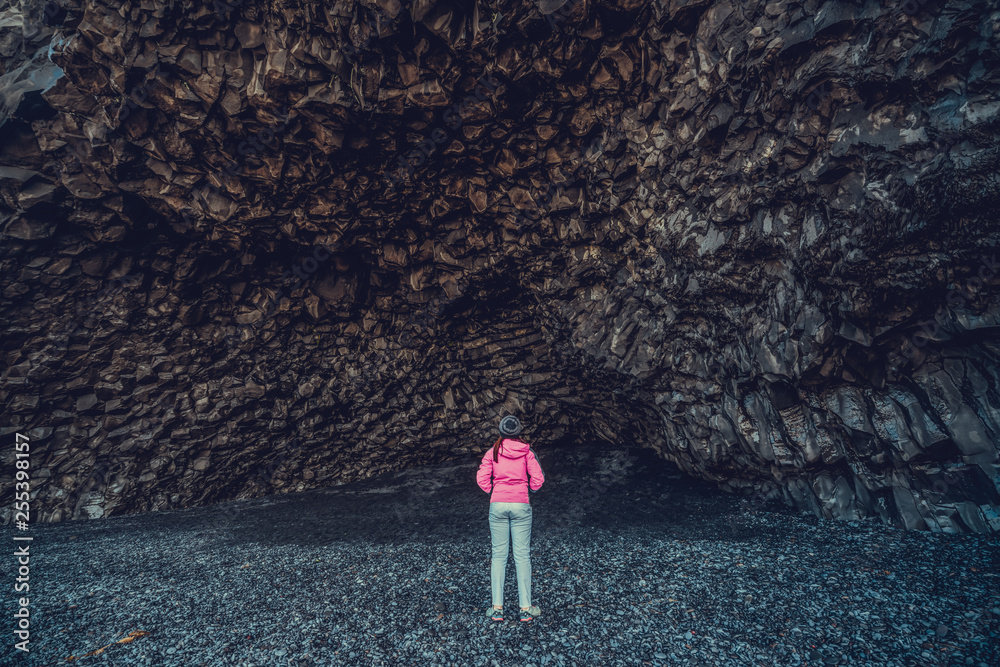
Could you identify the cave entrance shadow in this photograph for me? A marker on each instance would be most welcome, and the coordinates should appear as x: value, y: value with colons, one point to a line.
x: 615, y: 489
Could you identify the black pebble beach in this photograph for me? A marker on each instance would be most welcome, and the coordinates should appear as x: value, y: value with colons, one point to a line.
x: 648, y: 568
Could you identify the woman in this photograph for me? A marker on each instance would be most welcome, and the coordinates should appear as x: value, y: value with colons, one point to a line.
x: 505, y: 473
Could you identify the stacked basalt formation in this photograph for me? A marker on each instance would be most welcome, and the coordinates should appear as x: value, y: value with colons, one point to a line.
x: 256, y: 247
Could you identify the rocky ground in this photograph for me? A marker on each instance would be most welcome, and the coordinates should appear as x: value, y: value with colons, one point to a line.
x: 632, y: 565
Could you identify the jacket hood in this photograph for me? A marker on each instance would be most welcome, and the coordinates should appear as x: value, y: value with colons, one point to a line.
x: 513, y: 449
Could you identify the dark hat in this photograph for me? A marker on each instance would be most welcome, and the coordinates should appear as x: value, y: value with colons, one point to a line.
x: 509, y: 425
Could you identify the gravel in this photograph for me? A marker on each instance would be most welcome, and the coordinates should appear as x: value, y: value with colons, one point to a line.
x: 654, y: 569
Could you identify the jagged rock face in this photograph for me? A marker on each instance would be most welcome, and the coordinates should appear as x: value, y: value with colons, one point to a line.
x: 253, y: 248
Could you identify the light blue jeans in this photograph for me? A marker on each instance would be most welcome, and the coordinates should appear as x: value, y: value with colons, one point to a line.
x: 511, y: 520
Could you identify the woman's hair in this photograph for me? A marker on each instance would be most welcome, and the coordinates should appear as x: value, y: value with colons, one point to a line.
x: 496, y: 448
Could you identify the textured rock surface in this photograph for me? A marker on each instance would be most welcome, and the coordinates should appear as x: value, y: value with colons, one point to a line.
x: 249, y: 248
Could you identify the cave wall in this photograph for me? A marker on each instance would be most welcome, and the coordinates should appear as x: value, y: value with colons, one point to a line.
x: 254, y: 247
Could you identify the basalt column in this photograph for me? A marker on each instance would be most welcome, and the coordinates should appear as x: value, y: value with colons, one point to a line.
x: 256, y: 247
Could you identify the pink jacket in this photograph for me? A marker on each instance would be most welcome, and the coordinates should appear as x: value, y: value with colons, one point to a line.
x: 508, y: 478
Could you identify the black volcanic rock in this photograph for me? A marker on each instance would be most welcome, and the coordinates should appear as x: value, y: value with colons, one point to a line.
x: 250, y: 250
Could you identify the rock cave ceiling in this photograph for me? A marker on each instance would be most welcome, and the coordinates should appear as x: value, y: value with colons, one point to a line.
x: 258, y: 247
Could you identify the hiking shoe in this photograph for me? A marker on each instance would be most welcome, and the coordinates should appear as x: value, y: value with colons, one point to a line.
x: 530, y: 613
x: 495, y: 614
